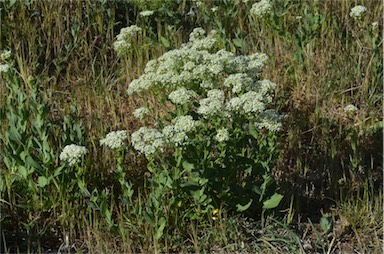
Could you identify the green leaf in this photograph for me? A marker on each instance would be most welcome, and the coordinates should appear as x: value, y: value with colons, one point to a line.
x: 273, y: 202
x: 43, y: 181
x: 165, y: 42
x: 242, y: 208
x: 149, y: 218
x: 188, y: 166
x: 238, y: 42
x: 23, y: 171
x: 159, y: 232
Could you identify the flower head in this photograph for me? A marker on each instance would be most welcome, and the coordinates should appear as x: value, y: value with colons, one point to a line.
x: 147, y: 140
x: 114, y: 139
x: 5, y: 55
x: 4, y: 68
x: 261, y: 9
x: 73, y: 153
x: 125, y: 38
x: 350, y: 108
x: 222, y: 135
x: 181, y: 96
x: 140, y: 113
x: 357, y: 11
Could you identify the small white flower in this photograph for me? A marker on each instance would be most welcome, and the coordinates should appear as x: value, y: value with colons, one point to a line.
x: 125, y: 38
x: 197, y: 34
x: 5, y: 55
x: 270, y: 120
x: 72, y: 154
x: 214, y: 9
x: 4, y: 68
x: 213, y: 104
x: 147, y: 140
x: 140, y: 113
x: 181, y: 96
x: 238, y: 82
x: 350, y: 108
x: 146, y: 13
x: 261, y: 9
x: 114, y: 139
x: 222, y: 135
x: 357, y: 11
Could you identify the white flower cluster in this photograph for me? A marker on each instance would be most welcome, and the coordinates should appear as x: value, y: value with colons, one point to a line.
x: 222, y: 135
x: 193, y: 64
x: 181, y: 96
x: 270, y: 120
x: 357, y: 11
x: 5, y: 55
x: 213, y: 104
x: 238, y: 82
x: 350, y: 108
x: 114, y: 139
x: 261, y: 9
x: 146, y: 13
x: 250, y: 102
x: 147, y: 140
x: 73, y: 153
x: 197, y: 34
x: 177, y: 133
x: 211, y: 84
x: 124, y: 40
x: 140, y: 113
x: 4, y: 68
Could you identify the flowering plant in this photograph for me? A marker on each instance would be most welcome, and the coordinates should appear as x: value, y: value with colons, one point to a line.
x: 216, y: 129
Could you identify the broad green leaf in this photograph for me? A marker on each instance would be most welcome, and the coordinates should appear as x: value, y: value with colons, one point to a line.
x: 165, y: 41
x: 242, y: 208
x: 43, y: 181
x: 273, y: 202
x: 23, y: 171
x: 188, y: 166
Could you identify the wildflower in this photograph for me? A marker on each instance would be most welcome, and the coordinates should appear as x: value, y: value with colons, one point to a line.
x: 146, y: 13
x: 177, y: 134
x: 238, y: 82
x: 261, y: 9
x: 123, y: 44
x: 250, y: 102
x: 114, y: 139
x: 222, y: 135
x: 214, y: 9
x: 4, y: 68
x: 181, y: 96
x: 140, y: 113
x: 357, y: 11
x: 270, y: 120
x: 213, y: 104
x: 350, y: 108
x: 147, y: 140
x: 5, y: 55
x: 197, y: 33
x: 72, y: 154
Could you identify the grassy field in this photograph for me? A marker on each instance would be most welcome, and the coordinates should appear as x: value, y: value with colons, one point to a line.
x: 307, y: 180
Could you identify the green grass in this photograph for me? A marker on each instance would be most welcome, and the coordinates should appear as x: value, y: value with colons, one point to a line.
x: 321, y: 62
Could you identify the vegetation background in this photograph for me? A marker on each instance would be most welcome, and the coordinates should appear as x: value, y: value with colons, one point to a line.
x: 70, y: 87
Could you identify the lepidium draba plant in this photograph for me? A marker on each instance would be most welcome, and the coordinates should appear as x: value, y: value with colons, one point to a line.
x: 214, y: 139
